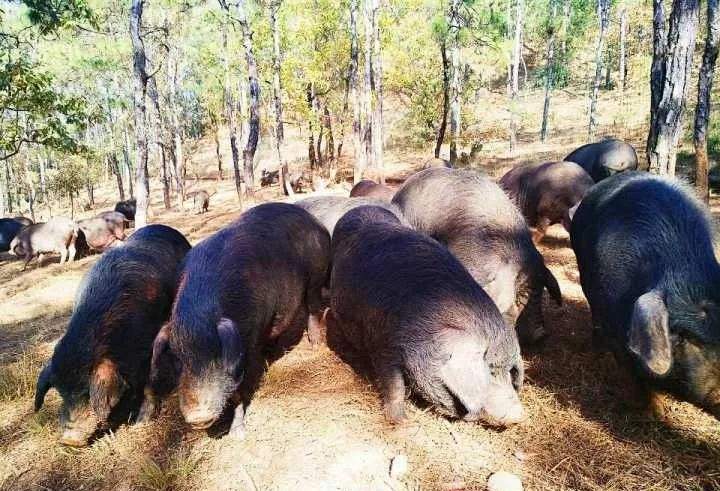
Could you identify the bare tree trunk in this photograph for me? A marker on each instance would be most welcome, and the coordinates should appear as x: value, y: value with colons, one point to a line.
x: 218, y: 152
x: 514, y: 85
x: 446, y: 95
x: 254, y: 101
x: 669, y: 81
x: 622, y: 76
x: 4, y: 186
x: 454, y: 26
x: 549, y: 72
x: 115, y: 168
x: 603, y: 11
x: 43, y: 181
x: 139, y: 90
x: 702, y: 112
x: 230, y: 112
x: 360, y: 157
x: 368, y: 90
x: 176, y: 126
x: 377, y: 69
x: 284, y: 175
x: 128, y: 162
x: 330, y: 140
x: 31, y: 188
x: 312, y: 156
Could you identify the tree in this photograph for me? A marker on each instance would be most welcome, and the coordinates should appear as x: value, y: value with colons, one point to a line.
x: 277, y: 98
x: 230, y: 112
x: 514, y: 71
x: 549, y: 69
x: 377, y: 84
x: 623, y: 55
x: 360, y: 155
x: 454, y: 25
x: 446, y: 95
x: 603, y: 12
x: 702, y: 111
x: 254, y: 98
x: 669, y: 75
x: 140, y: 79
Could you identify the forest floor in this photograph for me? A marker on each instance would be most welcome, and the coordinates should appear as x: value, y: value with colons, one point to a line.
x: 315, y: 424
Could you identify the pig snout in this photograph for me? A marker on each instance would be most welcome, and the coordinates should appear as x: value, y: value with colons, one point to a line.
x: 502, y: 408
x: 77, y: 426
x: 202, y: 404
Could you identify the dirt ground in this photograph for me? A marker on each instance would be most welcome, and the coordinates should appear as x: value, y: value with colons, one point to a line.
x: 316, y: 425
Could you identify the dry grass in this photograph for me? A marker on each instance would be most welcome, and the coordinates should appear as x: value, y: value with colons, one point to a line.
x: 315, y: 424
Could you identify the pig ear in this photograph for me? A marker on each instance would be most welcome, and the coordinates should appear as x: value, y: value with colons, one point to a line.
x: 552, y: 285
x: 230, y: 343
x: 106, y: 388
x: 160, y: 346
x: 44, y: 383
x: 649, y: 337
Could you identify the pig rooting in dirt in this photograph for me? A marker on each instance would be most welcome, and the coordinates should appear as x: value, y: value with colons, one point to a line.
x: 476, y: 220
x: 245, y: 297
x: 100, y: 366
x: 329, y: 209
x: 547, y: 193
x: 647, y: 265
x: 402, y: 302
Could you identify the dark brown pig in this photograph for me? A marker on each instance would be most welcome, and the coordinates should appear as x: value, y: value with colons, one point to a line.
x: 605, y: 158
x: 56, y: 235
x: 9, y: 228
x: 201, y: 200
x: 245, y: 296
x: 329, y: 209
x: 24, y: 220
x: 547, y: 193
x: 404, y: 303
x: 100, y: 366
x: 371, y: 189
x: 644, y: 246
x: 488, y: 234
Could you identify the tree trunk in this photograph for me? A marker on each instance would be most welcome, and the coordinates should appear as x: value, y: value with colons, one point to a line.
x: 446, y: 95
x: 622, y: 76
x: 160, y: 139
x: 43, y: 181
x: 115, y: 168
x: 330, y: 140
x: 176, y: 126
x: 139, y: 90
x: 454, y: 20
x: 549, y: 71
x: 3, y: 202
x: 254, y: 101
x: 312, y: 156
x: 377, y: 69
x: 514, y: 84
x: 603, y: 11
x: 284, y: 175
x: 360, y: 157
x: 368, y: 90
x: 670, y: 91
x: 128, y: 163
x: 230, y: 112
x: 702, y: 112
x: 218, y: 152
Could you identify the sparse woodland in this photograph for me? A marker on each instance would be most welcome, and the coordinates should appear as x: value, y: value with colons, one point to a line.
x: 250, y: 101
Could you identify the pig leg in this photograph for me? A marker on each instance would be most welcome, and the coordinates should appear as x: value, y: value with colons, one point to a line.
x: 63, y: 255
x: 149, y: 406
x: 316, y: 328
x: 253, y: 373
x: 540, y: 230
x: 392, y: 390
x: 28, y: 258
x: 71, y: 252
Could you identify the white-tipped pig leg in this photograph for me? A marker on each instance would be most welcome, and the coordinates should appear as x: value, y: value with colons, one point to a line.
x: 392, y: 388
x: 148, y: 408
x: 63, y: 255
x: 237, y: 428
x: 71, y: 253
x: 41, y: 258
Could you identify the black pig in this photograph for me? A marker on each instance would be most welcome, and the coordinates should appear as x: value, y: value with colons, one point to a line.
x: 100, y: 366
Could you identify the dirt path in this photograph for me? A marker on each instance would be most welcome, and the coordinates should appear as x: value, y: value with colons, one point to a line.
x: 314, y: 424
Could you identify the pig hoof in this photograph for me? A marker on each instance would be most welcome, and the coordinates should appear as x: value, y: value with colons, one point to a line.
x: 237, y: 432
x: 146, y: 414
x: 395, y: 414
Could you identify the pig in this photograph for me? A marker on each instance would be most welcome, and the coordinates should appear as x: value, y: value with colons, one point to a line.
x: 404, y: 303
x: 371, y: 189
x: 127, y: 208
x: 100, y: 366
x: 201, y: 201
x: 245, y: 297
x: 329, y: 209
x: 115, y: 220
x: 476, y: 220
x: 605, y: 158
x: 547, y: 193
x: 58, y: 234
x: 644, y: 246
x: 24, y: 220
x: 101, y: 234
x: 9, y: 228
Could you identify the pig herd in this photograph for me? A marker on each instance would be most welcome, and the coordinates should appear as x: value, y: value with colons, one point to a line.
x: 430, y: 290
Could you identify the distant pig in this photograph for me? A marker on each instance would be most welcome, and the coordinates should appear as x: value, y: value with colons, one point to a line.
x: 246, y: 295
x: 407, y: 305
x: 201, y: 200
x: 9, y: 228
x: 100, y: 366
x: 101, y: 234
x: 547, y: 193
x: 329, y: 209
x: 476, y: 220
x: 114, y: 219
x: 371, y: 189
x: 24, y: 220
x: 56, y: 235
x: 644, y: 247
x: 605, y: 158
x: 127, y: 208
